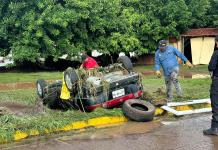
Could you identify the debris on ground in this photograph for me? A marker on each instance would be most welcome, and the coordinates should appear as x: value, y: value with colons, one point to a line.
x: 4, y: 111
x: 159, y: 102
x: 160, y: 91
x: 156, y: 98
x: 147, y: 96
x: 39, y: 107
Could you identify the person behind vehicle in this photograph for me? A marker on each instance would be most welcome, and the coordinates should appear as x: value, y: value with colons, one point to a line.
x: 166, y: 57
x: 88, y: 62
x: 213, y: 69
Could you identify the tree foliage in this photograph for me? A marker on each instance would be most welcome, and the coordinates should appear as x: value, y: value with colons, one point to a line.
x: 43, y: 28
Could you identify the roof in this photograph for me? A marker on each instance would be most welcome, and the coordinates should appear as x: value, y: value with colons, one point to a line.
x: 200, y: 32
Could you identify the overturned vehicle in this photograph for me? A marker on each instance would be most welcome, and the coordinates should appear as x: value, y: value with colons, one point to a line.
x: 114, y: 86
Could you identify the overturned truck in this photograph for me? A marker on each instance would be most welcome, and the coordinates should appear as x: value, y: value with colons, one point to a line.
x: 114, y: 86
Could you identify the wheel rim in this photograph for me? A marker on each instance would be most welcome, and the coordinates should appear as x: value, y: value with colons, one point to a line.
x: 68, y: 82
x: 39, y: 89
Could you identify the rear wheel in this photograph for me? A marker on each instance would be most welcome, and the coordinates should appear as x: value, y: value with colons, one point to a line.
x: 138, y: 110
x: 71, y: 78
x: 126, y: 62
x: 41, y: 84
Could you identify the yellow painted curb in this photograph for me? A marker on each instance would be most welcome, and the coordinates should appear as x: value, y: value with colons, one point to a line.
x: 105, y: 120
x: 159, y: 112
x: 95, y: 122
x: 184, y: 107
x: 20, y: 135
x: 33, y: 132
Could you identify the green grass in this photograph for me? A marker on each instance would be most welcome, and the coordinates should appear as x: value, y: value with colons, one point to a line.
x: 193, y: 89
x: 195, y: 69
x: 144, y: 68
x: 28, y: 77
x: 33, y: 76
x: 183, y: 68
x: 22, y: 96
x: 50, y: 120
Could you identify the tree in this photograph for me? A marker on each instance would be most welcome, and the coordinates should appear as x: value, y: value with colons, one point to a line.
x: 212, y: 14
x: 51, y: 28
x: 198, y: 11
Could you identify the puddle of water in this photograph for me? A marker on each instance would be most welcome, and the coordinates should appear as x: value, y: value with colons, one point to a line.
x: 15, y: 108
x: 128, y: 128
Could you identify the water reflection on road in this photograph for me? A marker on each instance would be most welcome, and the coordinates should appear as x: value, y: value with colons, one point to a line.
x: 181, y: 134
x: 129, y: 128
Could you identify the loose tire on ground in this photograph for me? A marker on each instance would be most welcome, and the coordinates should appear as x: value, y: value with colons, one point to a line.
x: 71, y: 78
x: 138, y: 110
x: 41, y: 84
x: 126, y: 62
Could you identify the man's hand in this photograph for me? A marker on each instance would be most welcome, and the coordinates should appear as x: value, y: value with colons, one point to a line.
x: 211, y: 74
x: 158, y: 73
x: 189, y: 64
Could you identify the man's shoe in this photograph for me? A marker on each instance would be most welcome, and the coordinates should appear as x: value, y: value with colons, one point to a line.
x: 211, y: 131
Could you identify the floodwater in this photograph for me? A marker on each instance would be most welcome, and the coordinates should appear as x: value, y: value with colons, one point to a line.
x: 180, y: 134
x: 20, y: 109
x: 14, y: 108
x: 129, y: 128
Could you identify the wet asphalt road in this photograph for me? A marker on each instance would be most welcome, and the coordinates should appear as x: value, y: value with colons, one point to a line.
x: 183, y: 134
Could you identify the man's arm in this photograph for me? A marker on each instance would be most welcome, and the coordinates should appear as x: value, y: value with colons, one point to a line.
x: 82, y: 65
x: 157, y: 65
x: 213, y: 61
x: 157, y: 62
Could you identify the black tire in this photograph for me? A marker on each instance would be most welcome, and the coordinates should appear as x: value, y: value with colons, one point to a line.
x: 40, y: 86
x: 71, y: 78
x: 126, y: 62
x: 138, y: 110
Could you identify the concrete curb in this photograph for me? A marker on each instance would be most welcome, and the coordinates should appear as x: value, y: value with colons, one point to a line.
x: 95, y: 122
x: 99, y: 122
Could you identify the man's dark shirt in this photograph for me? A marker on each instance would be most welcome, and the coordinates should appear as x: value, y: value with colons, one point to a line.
x: 213, y: 65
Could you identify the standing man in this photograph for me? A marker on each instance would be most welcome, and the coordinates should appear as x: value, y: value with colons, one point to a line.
x: 165, y: 57
x: 213, y: 69
x: 88, y: 62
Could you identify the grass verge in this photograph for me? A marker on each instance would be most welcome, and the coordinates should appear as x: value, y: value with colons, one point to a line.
x: 28, y: 76
x: 51, y: 120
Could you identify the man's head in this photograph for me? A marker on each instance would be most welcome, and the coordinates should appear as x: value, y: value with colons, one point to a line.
x: 162, y: 45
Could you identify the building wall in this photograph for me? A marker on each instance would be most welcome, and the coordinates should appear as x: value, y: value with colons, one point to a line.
x: 146, y: 59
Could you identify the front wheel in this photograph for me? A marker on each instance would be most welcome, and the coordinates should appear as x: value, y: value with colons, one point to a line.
x: 126, y: 63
